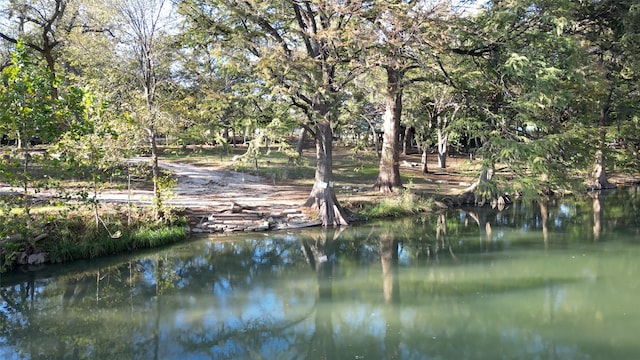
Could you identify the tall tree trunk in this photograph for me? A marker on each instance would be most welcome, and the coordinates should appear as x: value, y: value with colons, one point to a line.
x: 408, y: 140
x: 47, y: 52
x: 483, y: 180
x: 599, y: 179
x: 155, y: 173
x: 300, y: 144
x: 425, y: 168
x: 599, y: 174
x: 389, y: 172
x: 443, y: 145
x: 323, y: 196
x: 481, y: 192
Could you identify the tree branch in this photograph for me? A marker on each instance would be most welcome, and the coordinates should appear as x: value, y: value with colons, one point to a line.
x: 267, y: 27
x: 8, y: 38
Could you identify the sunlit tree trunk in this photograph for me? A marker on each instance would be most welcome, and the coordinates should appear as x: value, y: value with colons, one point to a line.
x: 425, y: 167
x: 389, y: 171
x: 599, y: 175
x: 443, y: 146
x: 323, y: 196
x: 150, y: 83
x: 300, y: 143
x: 481, y: 192
x: 155, y: 172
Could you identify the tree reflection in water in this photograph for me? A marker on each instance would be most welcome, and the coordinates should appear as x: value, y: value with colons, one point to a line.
x: 598, y: 205
x: 319, y: 252
x: 388, y: 245
x: 409, y: 288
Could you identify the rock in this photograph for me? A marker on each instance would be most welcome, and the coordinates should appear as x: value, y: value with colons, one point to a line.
x: 22, y: 258
x: 36, y: 259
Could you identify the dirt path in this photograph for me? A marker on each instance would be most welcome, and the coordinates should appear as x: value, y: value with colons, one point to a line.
x: 213, y: 187
x: 220, y: 200
x: 216, y: 189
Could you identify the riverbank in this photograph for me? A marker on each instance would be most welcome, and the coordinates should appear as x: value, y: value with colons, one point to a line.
x: 218, y: 200
x: 210, y: 197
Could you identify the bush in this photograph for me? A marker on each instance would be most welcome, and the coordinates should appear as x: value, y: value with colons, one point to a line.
x: 76, y: 236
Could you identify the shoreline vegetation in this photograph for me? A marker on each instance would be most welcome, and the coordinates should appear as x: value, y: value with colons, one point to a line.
x: 64, y: 237
x: 55, y: 231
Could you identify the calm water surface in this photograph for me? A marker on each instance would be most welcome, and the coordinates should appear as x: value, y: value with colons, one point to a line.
x: 557, y: 280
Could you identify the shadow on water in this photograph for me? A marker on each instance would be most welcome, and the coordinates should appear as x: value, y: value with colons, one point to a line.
x: 470, y: 283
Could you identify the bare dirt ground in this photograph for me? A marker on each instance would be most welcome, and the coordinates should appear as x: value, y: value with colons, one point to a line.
x: 217, y: 188
x: 214, y: 187
x: 218, y: 199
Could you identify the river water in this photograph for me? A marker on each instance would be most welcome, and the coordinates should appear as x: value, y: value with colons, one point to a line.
x: 553, y: 280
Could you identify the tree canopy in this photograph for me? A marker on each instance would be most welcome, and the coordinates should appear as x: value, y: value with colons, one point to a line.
x: 540, y: 90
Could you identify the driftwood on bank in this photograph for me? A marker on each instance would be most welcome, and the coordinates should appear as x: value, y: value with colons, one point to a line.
x: 239, y: 217
x: 470, y: 196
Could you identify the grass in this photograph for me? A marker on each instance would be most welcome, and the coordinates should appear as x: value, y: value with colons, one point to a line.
x: 101, y: 243
x: 74, y: 235
x: 150, y: 237
x: 402, y: 204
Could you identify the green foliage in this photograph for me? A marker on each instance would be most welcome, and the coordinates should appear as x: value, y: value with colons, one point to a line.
x: 150, y: 237
x: 74, y: 238
x: 626, y: 145
x: 166, y: 183
x: 27, y: 111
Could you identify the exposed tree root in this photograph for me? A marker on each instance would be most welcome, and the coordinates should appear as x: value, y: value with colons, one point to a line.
x: 472, y: 195
x: 386, y: 187
x: 599, y: 175
x: 323, y: 198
